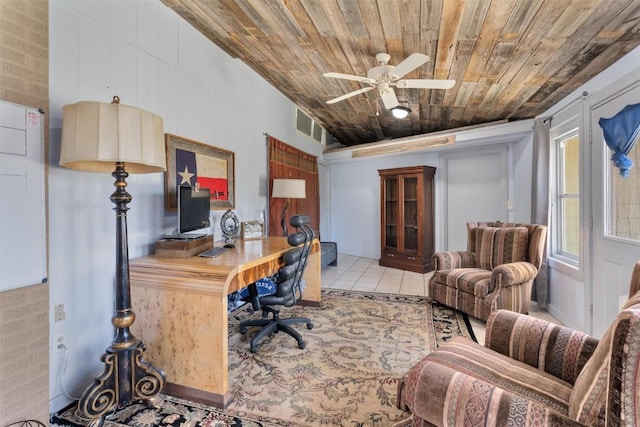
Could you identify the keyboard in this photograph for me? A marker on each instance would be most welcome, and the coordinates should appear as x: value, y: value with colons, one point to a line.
x: 213, y: 252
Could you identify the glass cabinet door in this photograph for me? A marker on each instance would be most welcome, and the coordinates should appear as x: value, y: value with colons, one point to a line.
x: 410, y: 218
x: 391, y: 212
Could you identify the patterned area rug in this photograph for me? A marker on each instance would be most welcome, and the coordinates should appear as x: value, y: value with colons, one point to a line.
x: 361, y: 343
x: 172, y: 412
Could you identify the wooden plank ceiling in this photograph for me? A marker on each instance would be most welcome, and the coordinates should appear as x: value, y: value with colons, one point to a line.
x: 511, y: 59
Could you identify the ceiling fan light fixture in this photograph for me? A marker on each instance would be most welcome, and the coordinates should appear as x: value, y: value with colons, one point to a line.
x: 400, y: 112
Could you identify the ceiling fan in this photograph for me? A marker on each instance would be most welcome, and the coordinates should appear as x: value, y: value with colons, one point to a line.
x: 384, y: 77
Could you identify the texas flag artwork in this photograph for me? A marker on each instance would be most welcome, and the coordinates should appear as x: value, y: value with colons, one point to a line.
x: 205, y: 171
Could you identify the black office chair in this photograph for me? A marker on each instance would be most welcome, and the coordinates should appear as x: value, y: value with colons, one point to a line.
x: 288, y: 291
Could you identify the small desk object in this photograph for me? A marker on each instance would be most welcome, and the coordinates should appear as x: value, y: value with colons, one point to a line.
x: 181, y: 313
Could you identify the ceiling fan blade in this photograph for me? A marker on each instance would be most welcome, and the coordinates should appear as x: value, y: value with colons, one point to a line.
x: 412, y: 62
x: 425, y: 84
x: 350, y: 94
x: 389, y: 98
x: 349, y: 77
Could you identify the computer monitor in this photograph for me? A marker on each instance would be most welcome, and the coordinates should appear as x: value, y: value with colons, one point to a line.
x: 193, y: 208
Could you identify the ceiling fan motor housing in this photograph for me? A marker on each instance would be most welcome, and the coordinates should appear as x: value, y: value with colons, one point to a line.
x: 383, y: 58
x: 380, y: 72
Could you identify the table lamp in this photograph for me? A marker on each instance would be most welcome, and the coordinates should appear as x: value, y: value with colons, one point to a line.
x: 287, y: 189
x: 103, y: 137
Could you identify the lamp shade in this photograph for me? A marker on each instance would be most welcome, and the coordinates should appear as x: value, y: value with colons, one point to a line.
x: 289, y: 189
x: 95, y: 135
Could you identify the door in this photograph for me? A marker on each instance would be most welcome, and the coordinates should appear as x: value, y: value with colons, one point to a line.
x: 475, y: 189
x: 615, y: 250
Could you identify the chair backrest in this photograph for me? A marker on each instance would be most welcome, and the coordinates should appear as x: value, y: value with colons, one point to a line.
x: 302, y: 239
x: 537, y: 240
x: 607, y: 388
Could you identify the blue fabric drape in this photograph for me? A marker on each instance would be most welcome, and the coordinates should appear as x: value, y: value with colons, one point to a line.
x: 621, y: 133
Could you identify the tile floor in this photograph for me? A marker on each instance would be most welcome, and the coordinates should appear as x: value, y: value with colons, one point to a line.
x: 364, y: 274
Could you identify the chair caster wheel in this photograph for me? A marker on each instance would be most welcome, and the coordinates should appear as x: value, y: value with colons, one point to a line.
x: 302, y: 345
x: 309, y: 325
x: 243, y: 330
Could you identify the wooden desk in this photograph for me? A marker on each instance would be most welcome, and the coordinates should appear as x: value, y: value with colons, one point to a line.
x: 181, y: 311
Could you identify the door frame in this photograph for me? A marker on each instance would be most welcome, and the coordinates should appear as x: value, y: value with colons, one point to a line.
x: 502, y: 151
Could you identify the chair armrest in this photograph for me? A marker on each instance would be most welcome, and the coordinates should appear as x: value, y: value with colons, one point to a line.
x: 453, y: 259
x: 557, y: 350
x: 513, y: 273
x: 446, y: 397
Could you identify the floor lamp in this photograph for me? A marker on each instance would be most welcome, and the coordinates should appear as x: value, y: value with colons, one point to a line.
x: 102, y: 137
x: 287, y: 189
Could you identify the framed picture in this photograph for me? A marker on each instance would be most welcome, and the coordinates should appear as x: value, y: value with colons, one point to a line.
x: 194, y: 163
x: 252, y: 230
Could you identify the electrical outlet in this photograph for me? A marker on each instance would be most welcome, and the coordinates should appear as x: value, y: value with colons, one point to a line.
x: 59, y: 341
x: 58, y: 312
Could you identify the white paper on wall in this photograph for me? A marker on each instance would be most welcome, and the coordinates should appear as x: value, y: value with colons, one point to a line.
x: 22, y: 201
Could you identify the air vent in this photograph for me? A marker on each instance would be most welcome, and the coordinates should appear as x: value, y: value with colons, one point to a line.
x: 306, y: 125
x: 317, y: 132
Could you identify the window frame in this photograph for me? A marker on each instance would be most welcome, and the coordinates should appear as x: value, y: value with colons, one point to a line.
x: 570, y: 128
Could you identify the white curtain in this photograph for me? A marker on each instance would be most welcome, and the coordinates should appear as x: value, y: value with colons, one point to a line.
x: 540, y: 202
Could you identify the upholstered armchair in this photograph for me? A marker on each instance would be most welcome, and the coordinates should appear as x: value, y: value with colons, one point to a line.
x: 531, y: 373
x: 288, y: 289
x: 496, y: 271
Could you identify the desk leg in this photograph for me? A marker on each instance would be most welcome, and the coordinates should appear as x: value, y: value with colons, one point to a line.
x: 186, y: 334
x: 312, y: 278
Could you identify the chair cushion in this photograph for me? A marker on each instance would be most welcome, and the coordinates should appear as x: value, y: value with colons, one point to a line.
x: 474, y: 281
x: 470, y: 358
x: 500, y: 245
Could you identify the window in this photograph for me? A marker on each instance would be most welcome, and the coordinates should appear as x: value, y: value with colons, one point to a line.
x: 566, y: 206
x: 306, y: 125
x: 624, y: 209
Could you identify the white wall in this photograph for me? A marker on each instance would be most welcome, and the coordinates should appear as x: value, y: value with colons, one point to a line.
x: 151, y: 58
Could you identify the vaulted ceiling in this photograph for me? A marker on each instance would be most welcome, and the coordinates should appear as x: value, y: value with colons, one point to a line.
x: 511, y: 59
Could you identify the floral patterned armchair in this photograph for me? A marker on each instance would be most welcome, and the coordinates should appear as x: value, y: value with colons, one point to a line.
x: 531, y: 373
x: 496, y: 271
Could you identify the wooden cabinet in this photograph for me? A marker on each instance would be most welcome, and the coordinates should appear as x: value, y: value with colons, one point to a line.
x: 406, y: 218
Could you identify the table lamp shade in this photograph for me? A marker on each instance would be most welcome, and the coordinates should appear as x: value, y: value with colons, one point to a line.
x: 95, y: 135
x: 289, y: 189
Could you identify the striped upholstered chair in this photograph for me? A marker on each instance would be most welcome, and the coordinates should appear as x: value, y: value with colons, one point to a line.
x: 531, y: 373
x: 496, y: 271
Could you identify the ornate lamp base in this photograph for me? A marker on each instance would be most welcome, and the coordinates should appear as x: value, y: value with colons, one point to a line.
x: 126, y: 377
